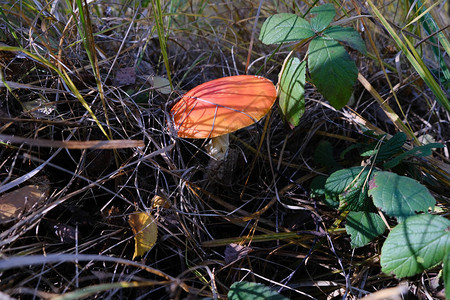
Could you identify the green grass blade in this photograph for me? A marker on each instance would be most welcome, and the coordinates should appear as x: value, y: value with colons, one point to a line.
x: 415, y: 60
x: 428, y: 77
x: 422, y: 14
x: 162, y: 37
x: 431, y: 26
x: 89, y: 45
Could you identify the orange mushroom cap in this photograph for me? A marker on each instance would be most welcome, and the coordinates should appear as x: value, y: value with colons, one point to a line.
x: 222, y: 106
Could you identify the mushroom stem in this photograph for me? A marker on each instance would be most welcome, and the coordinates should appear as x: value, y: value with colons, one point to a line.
x: 217, y: 147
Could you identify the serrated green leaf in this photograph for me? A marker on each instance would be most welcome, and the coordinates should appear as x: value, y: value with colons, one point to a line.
x: 446, y: 273
x: 391, y: 147
x: 417, y: 244
x: 348, y: 36
x: 324, y: 15
x: 252, y: 291
x: 332, y: 70
x: 355, y: 198
x: 351, y: 185
x: 284, y: 27
x: 340, y: 180
x: 420, y: 151
x: 399, y: 196
x: 363, y: 227
x: 292, y: 90
x: 331, y: 200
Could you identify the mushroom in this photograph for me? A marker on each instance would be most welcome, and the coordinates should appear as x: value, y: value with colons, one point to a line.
x: 221, y: 106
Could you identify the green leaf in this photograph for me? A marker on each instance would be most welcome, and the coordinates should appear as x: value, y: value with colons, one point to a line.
x: 351, y: 185
x: 368, y: 153
x: 348, y: 36
x: 252, y: 291
x: 391, y: 147
x: 446, y: 273
x: 324, y: 16
x: 387, y: 149
x: 399, y: 196
x: 355, y: 198
x: 431, y: 26
x: 332, y: 70
x: 420, y: 151
x: 417, y: 244
x: 340, y: 180
x: 285, y: 27
x: 292, y: 90
x: 363, y: 227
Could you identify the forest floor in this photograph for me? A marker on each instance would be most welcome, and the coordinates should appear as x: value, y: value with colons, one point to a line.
x: 252, y: 217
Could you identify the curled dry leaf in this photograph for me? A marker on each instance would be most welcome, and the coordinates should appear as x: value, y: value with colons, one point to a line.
x: 20, y: 201
x: 235, y: 252
x: 160, y: 202
x: 145, y: 232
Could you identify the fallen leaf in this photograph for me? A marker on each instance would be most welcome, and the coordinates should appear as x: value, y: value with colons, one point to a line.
x: 161, y: 84
x: 160, y: 202
x: 40, y: 109
x: 125, y: 76
x: 145, y: 232
x: 235, y: 252
x: 20, y: 201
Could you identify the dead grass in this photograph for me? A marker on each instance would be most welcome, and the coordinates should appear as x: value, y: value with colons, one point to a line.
x: 79, y: 237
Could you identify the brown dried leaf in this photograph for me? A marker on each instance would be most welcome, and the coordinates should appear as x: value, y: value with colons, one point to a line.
x: 235, y: 252
x: 125, y: 76
x: 145, y: 232
x: 19, y: 201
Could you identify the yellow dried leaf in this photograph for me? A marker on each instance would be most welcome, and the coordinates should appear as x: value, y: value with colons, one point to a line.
x: 159, y: 201
x: 145, y: 232
x: 20, y: 201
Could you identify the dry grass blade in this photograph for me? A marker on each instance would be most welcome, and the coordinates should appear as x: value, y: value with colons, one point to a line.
x: 110, y: 144
x: 386, y: 108
x: 95, y: 289
x: 19, y: 262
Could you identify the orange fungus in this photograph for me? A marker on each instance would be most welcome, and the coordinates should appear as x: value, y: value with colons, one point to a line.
x: 222, y: 106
